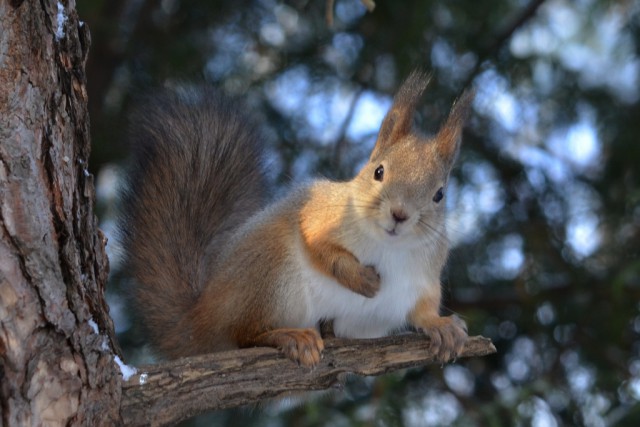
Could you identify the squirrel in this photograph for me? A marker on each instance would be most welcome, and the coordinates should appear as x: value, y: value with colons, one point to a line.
x: 218, y: 266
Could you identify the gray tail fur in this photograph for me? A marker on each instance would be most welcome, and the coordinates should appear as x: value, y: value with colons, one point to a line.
x: 196, y: 175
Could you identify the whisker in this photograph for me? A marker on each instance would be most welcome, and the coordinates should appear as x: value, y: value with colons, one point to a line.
x: 440, y: 234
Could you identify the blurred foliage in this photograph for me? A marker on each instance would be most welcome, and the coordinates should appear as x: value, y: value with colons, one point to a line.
x: 545, y: 202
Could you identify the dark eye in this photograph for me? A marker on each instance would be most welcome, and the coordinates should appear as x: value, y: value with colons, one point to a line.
x: 379, y: 173
x: 438, y: 196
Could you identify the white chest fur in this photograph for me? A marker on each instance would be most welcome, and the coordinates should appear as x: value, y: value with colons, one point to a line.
x: 405, y: 274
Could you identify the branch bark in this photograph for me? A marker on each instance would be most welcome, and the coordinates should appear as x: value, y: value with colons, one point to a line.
x: 174, y: 391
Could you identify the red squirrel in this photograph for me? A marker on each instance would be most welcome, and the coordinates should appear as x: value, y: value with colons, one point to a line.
x: 217, y: 266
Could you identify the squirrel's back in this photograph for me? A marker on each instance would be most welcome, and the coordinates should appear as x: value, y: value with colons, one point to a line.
x: 196, y: 175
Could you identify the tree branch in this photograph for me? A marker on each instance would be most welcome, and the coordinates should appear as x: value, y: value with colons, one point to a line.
x: 173, y: 391
x: 504, y: 35
x: 341, y: 140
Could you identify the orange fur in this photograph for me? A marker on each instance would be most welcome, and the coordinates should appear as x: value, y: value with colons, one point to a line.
x: 320, y: 229
x: 447, y: 334
x: 301, y: 345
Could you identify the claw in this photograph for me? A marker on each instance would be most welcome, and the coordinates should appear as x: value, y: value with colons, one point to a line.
x: 303, y: 346
x: 448, y: 335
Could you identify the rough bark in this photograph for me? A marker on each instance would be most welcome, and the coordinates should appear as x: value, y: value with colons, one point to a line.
x: 54, y: 368
x: 167, y: 393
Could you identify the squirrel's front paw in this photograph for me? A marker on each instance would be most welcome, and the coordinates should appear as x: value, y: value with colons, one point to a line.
x: 447, y: 334
x: 359, y: 278
x: 367, y: 281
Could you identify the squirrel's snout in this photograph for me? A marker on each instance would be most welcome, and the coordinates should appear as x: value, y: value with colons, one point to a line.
x: 399, y: 215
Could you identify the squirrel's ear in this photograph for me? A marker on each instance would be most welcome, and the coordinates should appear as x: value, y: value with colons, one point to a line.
x: 450, y: 134
x: 398, y: 121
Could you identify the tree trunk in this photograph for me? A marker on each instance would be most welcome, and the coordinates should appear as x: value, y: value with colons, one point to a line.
x: 56, y: 337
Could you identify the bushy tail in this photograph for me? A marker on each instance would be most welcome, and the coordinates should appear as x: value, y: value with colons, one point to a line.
x: 196, y: 175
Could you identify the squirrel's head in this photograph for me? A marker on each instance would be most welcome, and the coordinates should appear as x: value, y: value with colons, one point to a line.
x: 403, y: 186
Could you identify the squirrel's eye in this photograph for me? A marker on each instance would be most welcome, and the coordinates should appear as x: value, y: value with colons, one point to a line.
x: 438, y: 196
x: 379, y: 173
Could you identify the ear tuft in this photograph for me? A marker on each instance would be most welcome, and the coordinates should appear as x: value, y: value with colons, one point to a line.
x: 399, y: 120
x: 450, y: 134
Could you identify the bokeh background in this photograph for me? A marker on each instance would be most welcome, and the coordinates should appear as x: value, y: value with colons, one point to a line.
x: 544, y: 203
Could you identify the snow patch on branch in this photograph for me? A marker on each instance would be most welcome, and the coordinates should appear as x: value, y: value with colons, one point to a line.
x: 126, y: 370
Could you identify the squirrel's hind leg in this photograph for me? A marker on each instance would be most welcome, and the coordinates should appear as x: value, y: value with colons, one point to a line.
x: 303, y: 346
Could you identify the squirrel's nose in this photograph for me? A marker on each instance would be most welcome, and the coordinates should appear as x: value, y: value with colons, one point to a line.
x: 399, y: 215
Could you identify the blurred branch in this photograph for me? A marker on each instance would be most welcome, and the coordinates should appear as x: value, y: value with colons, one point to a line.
x: 369, y: 4
x: 502, y: 37
x: 505, y: 34
x: 173, y: 391
x: 329, y: 13
x: 341, y: 141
